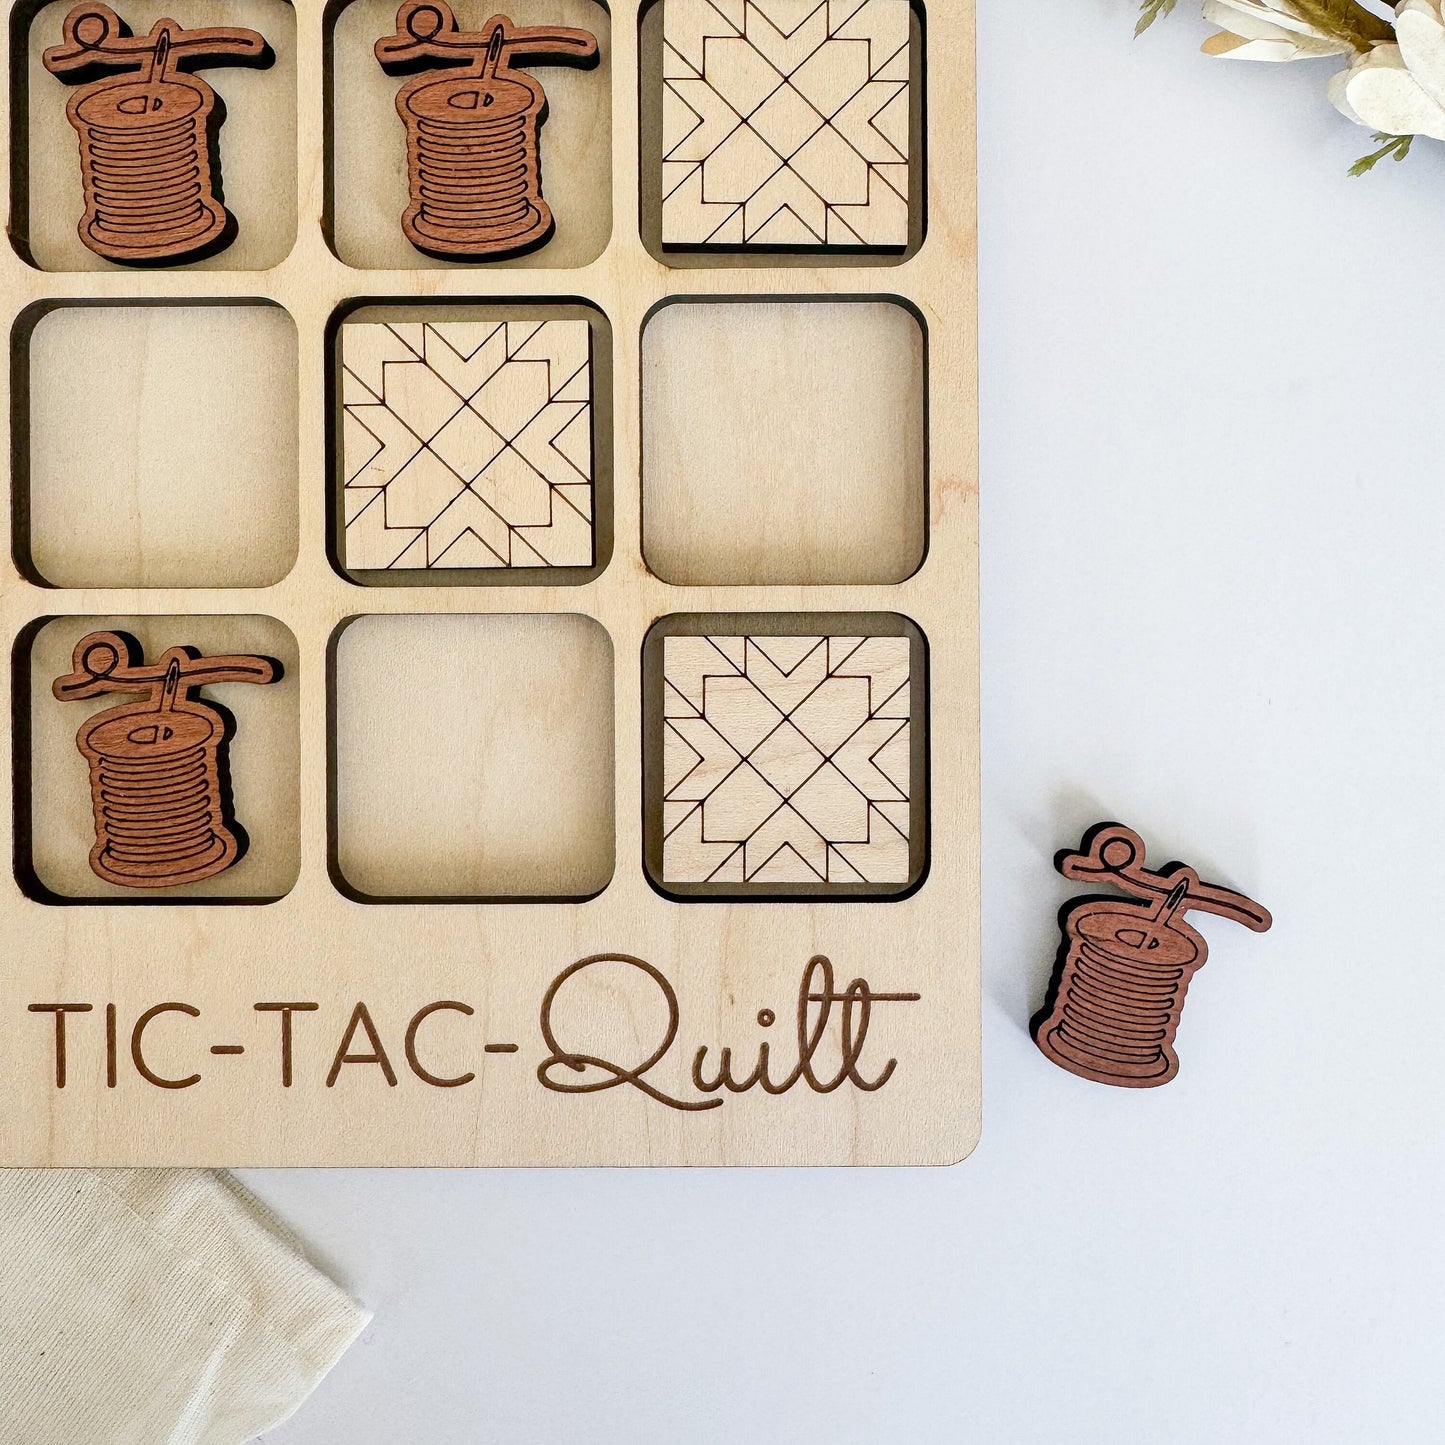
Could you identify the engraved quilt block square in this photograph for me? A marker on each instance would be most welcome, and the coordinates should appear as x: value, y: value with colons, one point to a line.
x: 786, y: 123
x: 467, y: 444
x: 787, y: 758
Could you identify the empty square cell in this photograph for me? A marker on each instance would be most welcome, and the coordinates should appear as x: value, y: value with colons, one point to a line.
x: 463, y: 137
x: 473, y: 757
x: 783, y: 443
x: 786, y: 755
x: 110, y: 789
x: 786, y: 124
x: 251, y: 140
x: 467, y: 446
x: 161, y: 446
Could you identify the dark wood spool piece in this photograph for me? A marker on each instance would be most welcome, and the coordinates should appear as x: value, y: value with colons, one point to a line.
x: 159, y: 780
x: 1123, y: 969
x: 150, y: 184
x: 473, y: 138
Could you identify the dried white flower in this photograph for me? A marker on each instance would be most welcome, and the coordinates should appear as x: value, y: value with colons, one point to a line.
x: 1400, y: 89
x: 1394, y: 82
x: 1267, y: 30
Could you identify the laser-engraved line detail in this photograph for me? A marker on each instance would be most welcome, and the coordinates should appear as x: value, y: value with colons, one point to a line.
x: 159, y: 778
x: 149, y: 152
x: 786, y: 759
x: 1124, y: 964
x: 785, y: 123
x: 467, y: 444
x: 473, y: 135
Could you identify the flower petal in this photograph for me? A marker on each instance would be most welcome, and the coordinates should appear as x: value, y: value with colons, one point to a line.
x: 1421, y: 34
x: 1238, y: 21
x: 1270, y: 17
x: 1338, y: 98
x: 1380, y: 92
x: 1225, y: 45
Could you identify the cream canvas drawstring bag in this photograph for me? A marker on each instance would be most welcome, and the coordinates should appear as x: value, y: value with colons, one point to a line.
x: 155, y: 1307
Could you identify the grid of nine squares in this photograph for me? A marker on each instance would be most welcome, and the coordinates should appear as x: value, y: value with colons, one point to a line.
x: 285, y: 285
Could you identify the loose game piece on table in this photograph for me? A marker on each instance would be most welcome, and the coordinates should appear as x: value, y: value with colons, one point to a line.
x: 473, y: 136
x: 159, y: 780
x: 149, y: 158
x: 1123, y: 969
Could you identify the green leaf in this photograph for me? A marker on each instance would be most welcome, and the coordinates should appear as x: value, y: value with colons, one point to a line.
x: 1151, y: 10
x: 1395, y: 145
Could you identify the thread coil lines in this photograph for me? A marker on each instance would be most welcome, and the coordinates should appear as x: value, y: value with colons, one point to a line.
x: 152, y: 811
x: 473, y: 174
x: 150, y: 179
x: 1118, y: 1010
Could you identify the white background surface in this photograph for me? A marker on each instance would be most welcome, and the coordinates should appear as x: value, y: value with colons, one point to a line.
x: 1214, y: 607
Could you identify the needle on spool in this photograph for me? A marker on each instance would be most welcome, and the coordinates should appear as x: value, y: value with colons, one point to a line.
x: 475, y: 180
x: 149, y: 165
x: 171, y: 687
x: 494, y: 52
x: 1123, y: 968
x: 156, y: 71
x: 159, y: 775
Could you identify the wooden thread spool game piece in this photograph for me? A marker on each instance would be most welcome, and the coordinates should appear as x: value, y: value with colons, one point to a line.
x: 147, y: 141
x: 473, y: 138
x: 1123, y: 969
x: 159, y: 782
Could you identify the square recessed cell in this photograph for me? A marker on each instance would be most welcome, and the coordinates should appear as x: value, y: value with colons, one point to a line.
x: 158, y: 445
x: 472, y: 445
x: 783, y: 442
x: 231, y: 169
x: 157, y: 759
x: 785, y: 756
x: 479, y: 192
x: 784, y: 126
x: 472, y: 758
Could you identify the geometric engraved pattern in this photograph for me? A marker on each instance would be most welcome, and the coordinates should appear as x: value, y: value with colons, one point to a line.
x: 785, y: 123
x: 467, y: 444
x: 786, y: 760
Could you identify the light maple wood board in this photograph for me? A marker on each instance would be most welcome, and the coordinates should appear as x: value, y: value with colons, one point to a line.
x: 615, y: 692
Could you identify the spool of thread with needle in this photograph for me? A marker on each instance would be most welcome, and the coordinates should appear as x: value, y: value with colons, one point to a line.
x: 1123, y: 970
x: 159, y: 779
x: 473, y: 138
x: 146, y: 141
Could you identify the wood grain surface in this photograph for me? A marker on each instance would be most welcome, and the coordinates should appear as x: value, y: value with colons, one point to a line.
x: 157, y: 438
x: 630, y: 1028
x: 786, y: 125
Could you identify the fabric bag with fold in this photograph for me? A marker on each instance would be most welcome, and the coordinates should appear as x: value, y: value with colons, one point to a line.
x: 155, y: 1307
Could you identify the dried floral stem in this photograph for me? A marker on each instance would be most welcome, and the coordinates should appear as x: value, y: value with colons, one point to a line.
x: 1395, y: 145
x: 1345, y: 20
x: 1150, y: 11
x: 1348, y: 23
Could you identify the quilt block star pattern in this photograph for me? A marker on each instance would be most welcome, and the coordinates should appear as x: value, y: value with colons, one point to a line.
x: 789, y: 762
x: 785, y: 123
x: 467, y: 445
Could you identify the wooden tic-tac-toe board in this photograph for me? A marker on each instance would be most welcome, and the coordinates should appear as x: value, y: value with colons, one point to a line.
x: 492, y: 596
